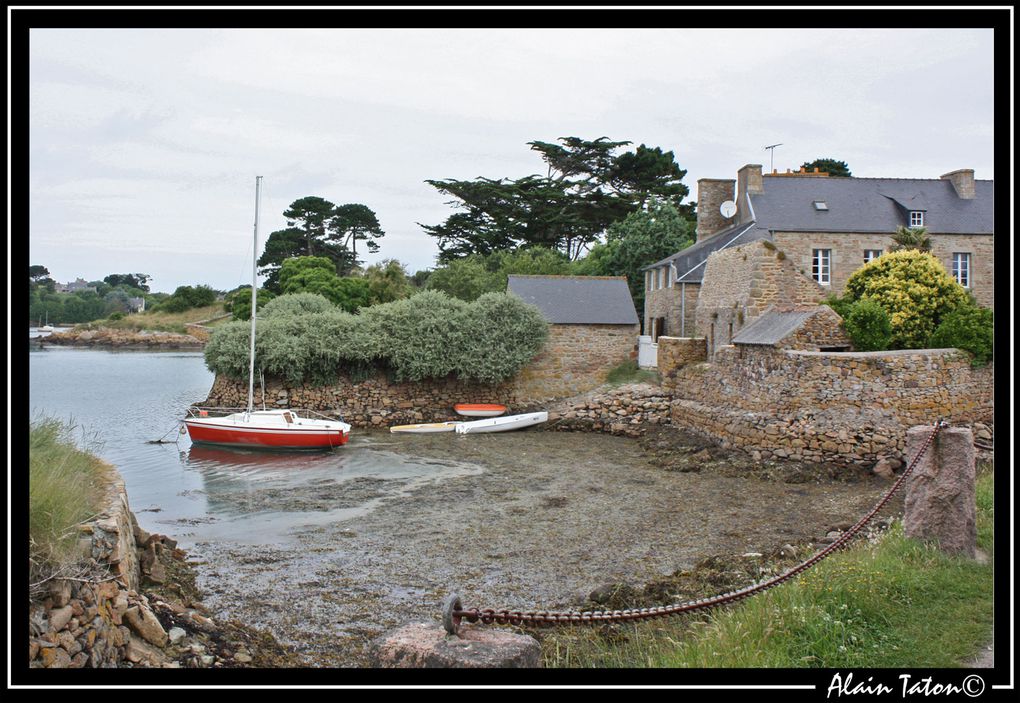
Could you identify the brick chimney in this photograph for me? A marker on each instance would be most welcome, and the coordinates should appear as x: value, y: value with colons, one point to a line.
x: 712, y: 192
x: 749, y: 181
x: 963, y: 181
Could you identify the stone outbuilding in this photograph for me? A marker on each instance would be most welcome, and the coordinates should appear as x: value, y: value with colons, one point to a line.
x: 814, y: 328
x: 593, y: 327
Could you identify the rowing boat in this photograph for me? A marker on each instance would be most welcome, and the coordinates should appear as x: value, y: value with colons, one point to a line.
x: 426, y: 427
x: 479, y: 409
x: 502, y: 424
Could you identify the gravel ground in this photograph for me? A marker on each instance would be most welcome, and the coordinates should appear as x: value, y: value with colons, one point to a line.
x: 542, y: 520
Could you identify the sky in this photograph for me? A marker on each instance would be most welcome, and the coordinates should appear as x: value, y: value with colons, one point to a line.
x: 144, y: 144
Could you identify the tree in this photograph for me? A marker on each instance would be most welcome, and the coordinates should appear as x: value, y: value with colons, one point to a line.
x: 314, y: 274
x: 911, y: 238
x: 352, y: 222
x: 832, y: 167
x: 37, y: 273
x: 138, y: 281
x: 289, y: 243
x: 309, y: 215
x: 915, y: 291
x: 587, y: 187
x: 640, y: 239
x: 387, y: 281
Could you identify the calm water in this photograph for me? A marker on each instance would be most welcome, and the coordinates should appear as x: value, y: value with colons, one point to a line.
x: 118, y: 401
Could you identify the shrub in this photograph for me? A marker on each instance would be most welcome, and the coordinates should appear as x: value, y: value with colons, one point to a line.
x: 296, y: 304
x: 868, y: 325
x: 423, y: 334
x: 429, y: 335
x: 502, y: 334
x: 970, y: 328
x: 914, y: 289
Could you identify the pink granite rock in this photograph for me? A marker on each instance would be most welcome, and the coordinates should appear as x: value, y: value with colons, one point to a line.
x: 940, y: 502
x: 427, y: 645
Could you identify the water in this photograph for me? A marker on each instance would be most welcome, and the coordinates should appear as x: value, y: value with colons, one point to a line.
x: 119, y: 401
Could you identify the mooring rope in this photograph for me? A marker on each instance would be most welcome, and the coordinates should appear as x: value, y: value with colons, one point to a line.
x: 454, y: 612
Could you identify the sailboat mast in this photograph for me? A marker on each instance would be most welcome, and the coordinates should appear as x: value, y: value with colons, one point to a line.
x: 254, y: 259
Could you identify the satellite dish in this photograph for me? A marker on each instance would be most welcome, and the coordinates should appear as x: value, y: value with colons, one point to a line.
x: 728, y: 208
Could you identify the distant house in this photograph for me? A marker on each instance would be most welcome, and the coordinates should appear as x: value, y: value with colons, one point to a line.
x: 136, y: 304
x: 79, y: 284
x: 593, y: 328
x: 826, y: 228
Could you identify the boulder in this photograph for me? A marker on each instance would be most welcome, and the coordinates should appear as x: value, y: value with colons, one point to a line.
x: 144, y: 623
x: 427, y: 645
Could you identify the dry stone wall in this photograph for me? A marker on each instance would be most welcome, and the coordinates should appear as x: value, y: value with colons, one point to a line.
x: 627, y: 410
x: 820, y: 406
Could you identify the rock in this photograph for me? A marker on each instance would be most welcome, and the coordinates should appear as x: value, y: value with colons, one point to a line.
x: 242, y: 658
x: 59, y: 617
x: 33, y: 650
x: 140, y: 652
x: 427, y: 645
x: 55, y: 658
x: 176, y: 634
x: 60, y: 592
x: 885, y: 467
x: 703, y: 455
x: 143, y: 622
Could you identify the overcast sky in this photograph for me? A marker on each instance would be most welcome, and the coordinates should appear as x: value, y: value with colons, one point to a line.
x: 145, y: 144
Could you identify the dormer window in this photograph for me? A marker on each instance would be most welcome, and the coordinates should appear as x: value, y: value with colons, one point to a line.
x: 821, y: 205
x: 917, y: 218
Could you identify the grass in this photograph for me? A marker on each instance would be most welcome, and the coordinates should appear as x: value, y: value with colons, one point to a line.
x: 162, y: 321
x: 897, y: 603
x: 65, y: 489
x: 630, y: 372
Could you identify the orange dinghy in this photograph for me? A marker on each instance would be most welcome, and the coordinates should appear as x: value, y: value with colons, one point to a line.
x: 479, y: 409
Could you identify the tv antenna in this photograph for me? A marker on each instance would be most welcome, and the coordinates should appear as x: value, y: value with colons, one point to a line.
x: 772, y: 158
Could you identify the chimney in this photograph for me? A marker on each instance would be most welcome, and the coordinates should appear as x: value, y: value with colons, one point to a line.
x: 749, y: 182
x: 712, y: 192
x: 963, y: 181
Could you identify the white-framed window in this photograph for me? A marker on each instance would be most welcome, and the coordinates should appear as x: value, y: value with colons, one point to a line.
x: 917, y: 218
x: 961, y: 268
x: 658, y: 279
x: 670, y: 275
x: 871, y: 254
x: 820, y: 265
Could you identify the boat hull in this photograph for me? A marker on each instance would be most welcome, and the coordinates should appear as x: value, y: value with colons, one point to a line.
x: 425, y: 428
x: 479, y: 409
x: 502, y: 424
x: 209, y: 431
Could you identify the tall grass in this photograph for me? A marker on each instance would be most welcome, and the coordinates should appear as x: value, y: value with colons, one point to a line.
x: 897, y: 603
x: 65, y: 489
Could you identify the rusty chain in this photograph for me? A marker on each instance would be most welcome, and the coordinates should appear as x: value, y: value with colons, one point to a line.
x: 454, y: 612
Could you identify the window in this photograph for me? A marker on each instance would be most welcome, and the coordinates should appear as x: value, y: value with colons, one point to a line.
x: 917, y: 218
x: 871, y: 254
x: 961, y: 268
x: 658, y: 279
x: 820, y: 259
x: 821, y: 205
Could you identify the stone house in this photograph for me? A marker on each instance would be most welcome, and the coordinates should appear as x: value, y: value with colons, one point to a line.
x: 136, y: 304
x: 593, y: 327
x: 79, y: 284
x: 826, y: 228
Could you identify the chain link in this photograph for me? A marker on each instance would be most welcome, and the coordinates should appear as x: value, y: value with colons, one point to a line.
x: 454, y: 613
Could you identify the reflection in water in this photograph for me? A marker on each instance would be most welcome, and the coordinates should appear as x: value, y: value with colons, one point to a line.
x: 259, y: 496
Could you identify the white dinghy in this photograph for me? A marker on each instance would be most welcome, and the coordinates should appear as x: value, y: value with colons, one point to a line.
x: 502, y: 424
x: 425, y: 428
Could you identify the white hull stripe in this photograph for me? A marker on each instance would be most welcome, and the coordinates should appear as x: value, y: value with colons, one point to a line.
x: 264, y: 430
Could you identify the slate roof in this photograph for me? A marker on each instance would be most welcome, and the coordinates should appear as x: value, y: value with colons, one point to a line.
x: 871, y: 205
x: 773, y: 326
x: 584, y: 300
x: 853, y: 205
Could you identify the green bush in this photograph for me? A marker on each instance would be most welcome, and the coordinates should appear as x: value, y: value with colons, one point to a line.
x: 429, y: 335
x: 502, y: 334
x: 296, y: 304
x: 868, y: 325
x: 914, y: 289
x: 970, y: 328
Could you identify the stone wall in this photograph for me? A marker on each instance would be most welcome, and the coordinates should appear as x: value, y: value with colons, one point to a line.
x: 848, y: 255
x: 823, y: 329
x: 574, y: 360
x: 676, y: 353
x: 740, y: 283
x: 820, y: 406
x: 102, y: 621
x: 677, y: 304
x: 627, y: 410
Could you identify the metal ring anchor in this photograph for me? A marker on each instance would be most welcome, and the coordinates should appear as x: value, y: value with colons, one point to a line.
x: 451, y: 613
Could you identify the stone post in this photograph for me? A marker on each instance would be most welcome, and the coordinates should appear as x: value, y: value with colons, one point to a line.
x: 940, y: 502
